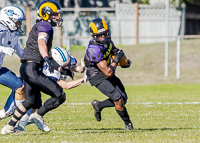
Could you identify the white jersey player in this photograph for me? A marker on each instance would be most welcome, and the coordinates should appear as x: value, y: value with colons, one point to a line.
x: 11, y: 20
x: 64, y: 60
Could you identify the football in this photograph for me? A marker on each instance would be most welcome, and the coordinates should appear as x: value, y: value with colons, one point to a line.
x: 122, y: 61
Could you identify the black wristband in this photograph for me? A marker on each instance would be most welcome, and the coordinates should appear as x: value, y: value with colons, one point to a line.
x: 112, y: 68
x: 115, y: 61
x: 46, y: 58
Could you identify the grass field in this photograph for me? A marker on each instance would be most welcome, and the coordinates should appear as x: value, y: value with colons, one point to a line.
x: 160, y: 113
x: 162, y: 109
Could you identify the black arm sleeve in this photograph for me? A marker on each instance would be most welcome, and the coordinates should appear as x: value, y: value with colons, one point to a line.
x: 55, y: 64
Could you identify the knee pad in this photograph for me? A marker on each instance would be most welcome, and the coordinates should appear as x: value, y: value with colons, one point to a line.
x: 54, y: 102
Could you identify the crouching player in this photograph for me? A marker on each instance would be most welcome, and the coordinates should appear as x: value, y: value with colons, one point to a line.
x: 101, y: 71
x: 67, y: 65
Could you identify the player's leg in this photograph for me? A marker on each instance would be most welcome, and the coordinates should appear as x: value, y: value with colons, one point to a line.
x: 120, y: 104
x: 10, y: 106
x: 21, y: 110
x: 100, y: 105
x: 24, y: 121
x: 9, y: 79
x: 114, y: 89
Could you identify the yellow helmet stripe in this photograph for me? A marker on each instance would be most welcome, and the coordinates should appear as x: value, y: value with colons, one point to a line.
x: 48, y: 4
x: 105, y: 24
x: 93, y: 26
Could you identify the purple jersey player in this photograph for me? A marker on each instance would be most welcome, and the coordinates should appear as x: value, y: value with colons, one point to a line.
x: 101, y: 71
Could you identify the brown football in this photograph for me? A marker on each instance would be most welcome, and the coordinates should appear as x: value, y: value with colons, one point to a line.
x: 122, y: 61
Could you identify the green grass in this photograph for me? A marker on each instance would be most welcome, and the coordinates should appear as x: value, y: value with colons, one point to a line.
x: 160, y: 113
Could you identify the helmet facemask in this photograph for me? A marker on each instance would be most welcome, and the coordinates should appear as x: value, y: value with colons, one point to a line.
x: 58, y: 21
x: 21, y: 25
x: 103, y: 37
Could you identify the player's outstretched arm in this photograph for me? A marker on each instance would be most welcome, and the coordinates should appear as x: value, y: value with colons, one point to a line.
x: 70, y: 84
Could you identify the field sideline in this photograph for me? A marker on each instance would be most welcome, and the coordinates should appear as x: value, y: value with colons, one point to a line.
x: 160, y: 113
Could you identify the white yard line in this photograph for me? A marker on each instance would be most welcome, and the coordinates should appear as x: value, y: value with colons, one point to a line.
x: 145, y: 103
x: 140, y: 103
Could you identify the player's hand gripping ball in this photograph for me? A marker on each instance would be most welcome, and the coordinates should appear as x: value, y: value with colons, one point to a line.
x: 122, y: 61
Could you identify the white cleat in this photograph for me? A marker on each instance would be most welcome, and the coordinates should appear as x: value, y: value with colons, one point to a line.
x: 39, y: 121
x: 7, y: 129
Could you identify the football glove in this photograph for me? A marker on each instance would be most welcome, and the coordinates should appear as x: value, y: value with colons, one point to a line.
x: 49, y: 64
x: 67, y: 71
x: 118, y: 54
x: 127, y: 65
x: 7, y: 50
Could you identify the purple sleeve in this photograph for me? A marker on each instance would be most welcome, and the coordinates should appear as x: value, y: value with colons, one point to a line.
x: 95, y: 54
x: 44, y: 27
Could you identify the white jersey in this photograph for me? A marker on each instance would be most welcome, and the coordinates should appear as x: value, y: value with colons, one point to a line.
x: 9, y: 39
x: 56, y: 74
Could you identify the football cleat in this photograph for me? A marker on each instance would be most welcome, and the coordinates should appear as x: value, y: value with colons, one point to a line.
x: 129, y: 127
x: 24, y: 121
x: 19, y: 128
x: 8, y: 129
x: 97, y: 111
x: 39, y: 121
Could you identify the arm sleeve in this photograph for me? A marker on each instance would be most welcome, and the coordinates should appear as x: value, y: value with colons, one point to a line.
x: 55, y: 64
x: 19, y: 51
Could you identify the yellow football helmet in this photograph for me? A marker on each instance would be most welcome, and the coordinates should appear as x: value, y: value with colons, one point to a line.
x: 48, y: 8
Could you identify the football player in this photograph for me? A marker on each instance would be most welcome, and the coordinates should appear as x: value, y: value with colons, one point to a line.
x: 62, y: 57
x: 12, y: 20
x: 101, y: 71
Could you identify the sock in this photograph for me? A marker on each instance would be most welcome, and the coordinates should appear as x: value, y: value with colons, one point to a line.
x: 18, y: 113
x: 2, y: 114
x: 17, y: 102
x: 124, y: 116
x: 106, y: 103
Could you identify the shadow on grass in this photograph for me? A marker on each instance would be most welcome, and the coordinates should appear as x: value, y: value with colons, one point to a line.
x: 121, y: 130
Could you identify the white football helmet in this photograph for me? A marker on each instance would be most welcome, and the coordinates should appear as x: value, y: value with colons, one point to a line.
x: 61, y: 56
x: 13, y: 17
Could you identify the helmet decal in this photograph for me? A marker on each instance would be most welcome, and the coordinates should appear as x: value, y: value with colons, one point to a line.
x: 93, y: 27
x: 61, y: 53
x: 105, y: 24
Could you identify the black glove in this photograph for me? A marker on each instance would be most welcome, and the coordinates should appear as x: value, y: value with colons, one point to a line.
x: 49, y: 64
x: 118, y: 54
x: 67, y: 71
x: 127, y: 65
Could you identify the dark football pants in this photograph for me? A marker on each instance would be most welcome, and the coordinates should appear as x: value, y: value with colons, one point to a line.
x: 113, y: 88
x: 36, y: 81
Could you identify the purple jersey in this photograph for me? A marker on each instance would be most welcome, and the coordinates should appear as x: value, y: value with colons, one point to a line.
x: 94, y: 54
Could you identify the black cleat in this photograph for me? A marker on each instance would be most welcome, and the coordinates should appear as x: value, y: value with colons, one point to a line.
x: 129, y: 127
x: 97, y: 112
